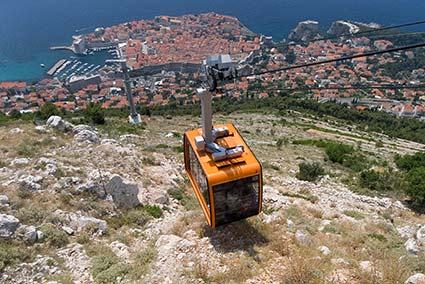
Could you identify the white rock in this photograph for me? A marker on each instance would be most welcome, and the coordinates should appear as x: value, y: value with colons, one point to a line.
x: 8, y: 225
x: 29, y: 233
x: 120, y: 249
x: 324, y: 250
x: 272, y: 217
x: 79, y: 222
x: 68, y: 230
x: 420, y: 235
x: 86, y: 136
x: 30, y: 182
x: 19, y: 162
x: 406, y: 232
x: 40, y: 129
x: 323, y: 224
x: 365, y: 266
x: 302, y: 237
x: 81, y: 127
x: 341, y: 261
x: 166, y: 245
x: 4, y: 200
x: 16, y: 131
x: 290, y: 224
x: 125, y: 195
x: 418, y: 278
x: 58, y: 123
x: 411, y: 246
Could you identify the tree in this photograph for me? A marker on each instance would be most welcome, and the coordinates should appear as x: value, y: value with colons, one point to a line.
x: 416, y: 185
x: 94, y: 113
x: 47, y: 110
x: 15, y: 114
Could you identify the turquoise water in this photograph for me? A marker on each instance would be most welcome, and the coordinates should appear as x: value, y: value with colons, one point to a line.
x: 28, y: 27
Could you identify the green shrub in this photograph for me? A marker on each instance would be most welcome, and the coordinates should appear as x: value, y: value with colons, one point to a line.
x: 416, y: 185
x: 385, y: 181
x: 337, y: 152
x: 111, y: 275
x: 153, y: 210
x: 12, y: 255
x: 409, y: 162
x: 94, y: 113
x: 136, y: 216
x: 31, y: 215
x: 142, y: 261
x: 47, y: 110
x: 103, y: 262
x: 53, y: 236
x: 310, y: 171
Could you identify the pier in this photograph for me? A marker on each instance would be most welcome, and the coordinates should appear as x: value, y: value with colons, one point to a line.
x: 55, y: 67
x: 70, y: 48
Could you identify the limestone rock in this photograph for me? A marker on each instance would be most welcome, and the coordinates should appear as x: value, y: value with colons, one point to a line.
x: 166, y: 245
x: 302, y: 237
x: 86, y: 136
x: 31, y: 182
x: 123, y: 194
x: 418, y: 278
x: 324, y: 250
x: 411, y: 246
x: 342, y: 27
x: 19, y: 162
x: 8, y: 225
x: 4, y: 200
x: 16, y: 131
x: 77, y: 262
x: 40, y: 129
x: 305, y: 31
x: 120, y: 249
x: 79, y: 222
x: 58, y: 123
x: 420, y: 235
x: 27, y: 233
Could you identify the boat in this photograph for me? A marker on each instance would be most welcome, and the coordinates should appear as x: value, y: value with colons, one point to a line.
x: 42, y: 65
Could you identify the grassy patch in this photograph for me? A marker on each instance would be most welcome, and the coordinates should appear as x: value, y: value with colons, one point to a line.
x: 188, y: 201
x: 310, y: 171
x: 308, y: 197
x: 142, y: 262
x: 153, y: 210
x: 353, y: 214
x: 12, y: 254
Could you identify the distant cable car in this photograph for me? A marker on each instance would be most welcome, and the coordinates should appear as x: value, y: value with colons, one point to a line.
x: 224, y: 173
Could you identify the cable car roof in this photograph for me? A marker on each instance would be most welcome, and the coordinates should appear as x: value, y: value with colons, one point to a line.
x: 230, y: 169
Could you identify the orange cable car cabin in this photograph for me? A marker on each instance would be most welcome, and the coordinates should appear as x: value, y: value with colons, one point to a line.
x: 228, y: 189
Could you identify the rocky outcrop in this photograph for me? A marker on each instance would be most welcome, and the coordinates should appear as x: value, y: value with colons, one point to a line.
x: 343, y: 27
x: 305, y: 31
x: 8, y: 225
x: 79, y: 222
x: 418, y: 278
x: 77, y: 262
x: 60, y: 124
x: 123, y: 194
x: 85, y: 133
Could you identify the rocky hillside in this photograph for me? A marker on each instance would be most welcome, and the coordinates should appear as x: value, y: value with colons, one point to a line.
x: 113, y: 205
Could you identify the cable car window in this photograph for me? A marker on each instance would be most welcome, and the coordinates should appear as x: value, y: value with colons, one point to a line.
x: 236, y: 200
x: 198, y: 175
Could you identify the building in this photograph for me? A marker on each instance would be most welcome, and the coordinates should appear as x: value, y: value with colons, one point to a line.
x: 77, y: 83
x: 79, y: 45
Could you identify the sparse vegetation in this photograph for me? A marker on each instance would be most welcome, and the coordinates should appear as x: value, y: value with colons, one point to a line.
x: 354, y: 214
x: 54, y: 236
x: 12, y: 254
x: 310, y: 171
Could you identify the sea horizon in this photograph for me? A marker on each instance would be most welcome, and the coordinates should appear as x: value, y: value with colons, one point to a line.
x: 30, y: 27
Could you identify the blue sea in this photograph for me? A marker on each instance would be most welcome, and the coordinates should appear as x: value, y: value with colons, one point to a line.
x: 29, y: 27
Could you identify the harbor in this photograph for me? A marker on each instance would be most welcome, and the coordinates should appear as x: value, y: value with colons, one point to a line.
x: 85, y: 65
